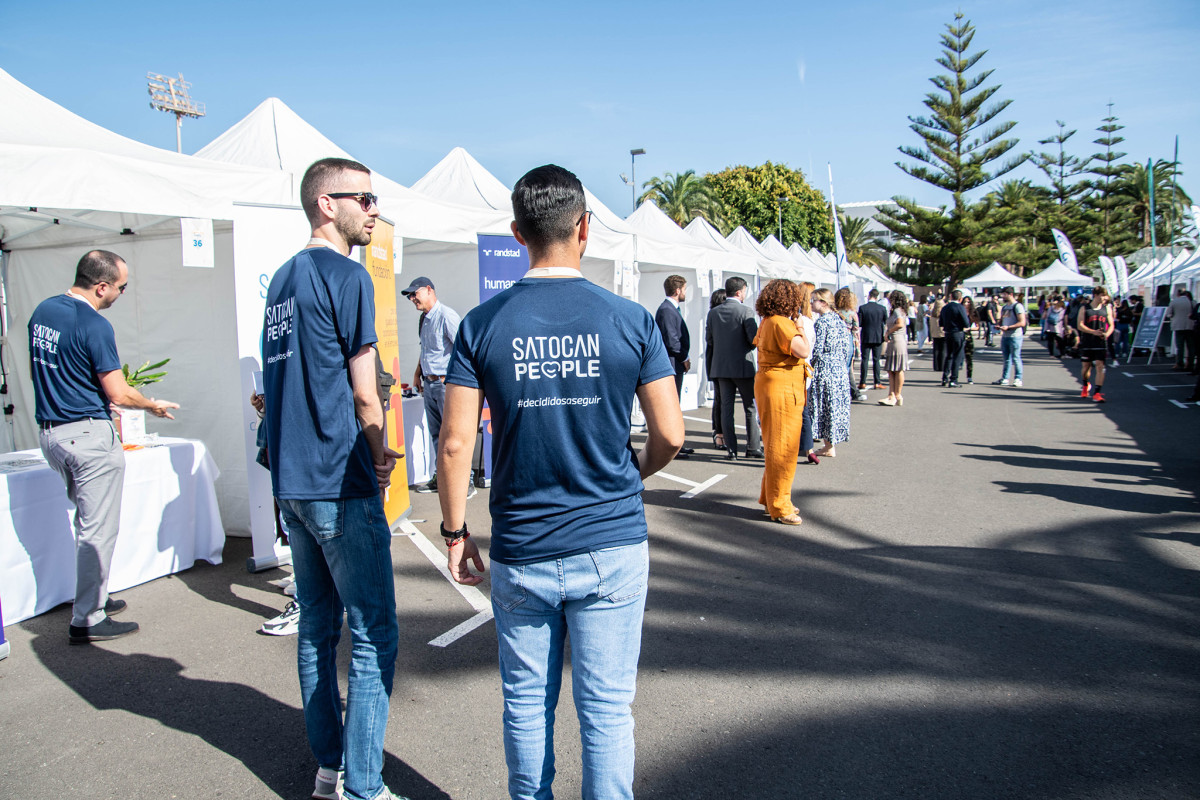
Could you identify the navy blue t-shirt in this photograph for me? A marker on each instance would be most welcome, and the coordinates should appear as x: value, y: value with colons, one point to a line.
x: 559, y: 361
x: 320, y: 312
x: 69, y: 342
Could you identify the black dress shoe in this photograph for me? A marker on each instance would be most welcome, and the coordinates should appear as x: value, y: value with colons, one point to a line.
x: 953, y: 385
x: 731, y: 455
x: 687, y: 451
x: 754, y: 453
x: 114, y: 607
x: 681, y: 456
x: 102, y: 631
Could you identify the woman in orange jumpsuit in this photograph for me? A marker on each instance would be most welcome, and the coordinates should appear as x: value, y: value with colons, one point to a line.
x: 779, y: 391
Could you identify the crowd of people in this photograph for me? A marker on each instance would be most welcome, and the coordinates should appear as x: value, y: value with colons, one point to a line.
x: 569, y: 544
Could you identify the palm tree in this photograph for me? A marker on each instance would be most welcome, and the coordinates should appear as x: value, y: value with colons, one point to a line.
x: 861, y: 247
x: 1170, y: 202
x: 683, y: 197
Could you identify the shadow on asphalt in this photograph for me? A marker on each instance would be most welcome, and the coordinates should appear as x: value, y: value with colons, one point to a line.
x: 1034, y: 640
x: 233, y: 718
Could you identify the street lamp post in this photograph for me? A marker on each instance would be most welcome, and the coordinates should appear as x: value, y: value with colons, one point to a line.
x: 633, y: 154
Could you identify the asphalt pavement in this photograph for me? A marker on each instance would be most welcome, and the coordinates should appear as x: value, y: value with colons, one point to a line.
x: 995, y: 594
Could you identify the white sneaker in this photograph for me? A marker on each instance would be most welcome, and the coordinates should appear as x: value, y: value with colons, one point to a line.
x: 328, y: 785
x: 1018, y: 383
x: 286, y: 623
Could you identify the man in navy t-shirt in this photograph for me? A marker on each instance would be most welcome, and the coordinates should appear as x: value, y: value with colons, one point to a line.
x: 76, y: 376
x: 329, y: 464
x: 559, y: 361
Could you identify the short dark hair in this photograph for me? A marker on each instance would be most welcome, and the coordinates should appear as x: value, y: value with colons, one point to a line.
x: 956, y: 295
x: 873, y: 294
x: 1008, y: 290
x: 97, y: 266
x: 547, y: 204
x: 321, y: 177
x: 674, y: 283
x: 733, y: 285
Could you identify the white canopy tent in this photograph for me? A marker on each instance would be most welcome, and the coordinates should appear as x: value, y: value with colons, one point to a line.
x: 768, y: 266
x: 734, y: 260
x: 993, y: 277
x: 68, y: 186
x: 1057, y: 274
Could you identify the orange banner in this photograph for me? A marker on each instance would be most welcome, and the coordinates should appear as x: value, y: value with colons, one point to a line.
x: 378, y: 258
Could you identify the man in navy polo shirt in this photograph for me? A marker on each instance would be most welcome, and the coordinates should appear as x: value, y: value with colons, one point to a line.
x: 76, y: 376
x: 559, y: 361
x: 329, y: 465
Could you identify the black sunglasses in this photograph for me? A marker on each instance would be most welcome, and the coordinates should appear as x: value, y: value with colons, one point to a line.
x: 587, y: 214
x: 120, y: 288
x: 365, y: 199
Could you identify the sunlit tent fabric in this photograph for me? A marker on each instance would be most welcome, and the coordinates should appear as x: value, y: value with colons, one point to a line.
x: 1057, y: 274
x: 735, y: 260
x: 801, y: 269
x: 67, y: 186
x: 273, y: 136
x: 804, y: 257
x: 741, y: 240
x: 994, y: 276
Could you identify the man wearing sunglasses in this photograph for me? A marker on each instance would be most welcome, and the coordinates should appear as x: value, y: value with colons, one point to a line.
x: 76, y: 377
x: 560, y: 360
x: 329, y: 468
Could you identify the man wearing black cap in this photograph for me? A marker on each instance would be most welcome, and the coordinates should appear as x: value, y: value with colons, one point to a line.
x: 437, y: 327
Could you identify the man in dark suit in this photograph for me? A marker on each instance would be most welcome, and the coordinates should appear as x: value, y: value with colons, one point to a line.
x: 955, y: 322
x: 872, y: 320
x: 675, y: 336
x: 729, y: 339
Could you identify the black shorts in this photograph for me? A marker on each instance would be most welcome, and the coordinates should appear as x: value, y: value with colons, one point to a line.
x: 1093, y: 355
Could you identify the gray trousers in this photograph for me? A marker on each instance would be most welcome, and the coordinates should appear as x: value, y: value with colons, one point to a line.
x: 745, y: 387
x: 89, y: 458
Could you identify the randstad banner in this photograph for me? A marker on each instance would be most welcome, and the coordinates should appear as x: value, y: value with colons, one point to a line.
x: 502, y: 262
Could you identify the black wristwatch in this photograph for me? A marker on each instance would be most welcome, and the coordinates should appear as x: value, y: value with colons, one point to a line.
x: 452, y: 535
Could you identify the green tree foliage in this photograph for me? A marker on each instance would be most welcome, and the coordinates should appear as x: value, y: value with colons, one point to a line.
x: 1112, y: 216
x: 750, y: 195
x: 1170, y: 202
x: 683, y: 197
x: 861, y: 247
x: 1028, y: 209
x: 963, y: 150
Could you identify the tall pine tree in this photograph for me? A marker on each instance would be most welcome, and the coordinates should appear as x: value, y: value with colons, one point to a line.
x: 963, y: 151
x: 1115, y: 227
x: 1067, y: 191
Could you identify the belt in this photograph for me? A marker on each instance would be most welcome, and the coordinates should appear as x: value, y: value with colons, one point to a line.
x: 47, y: 425
x: 433, y: 377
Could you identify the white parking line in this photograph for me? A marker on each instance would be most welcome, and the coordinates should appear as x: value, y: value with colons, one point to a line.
x: 1151, y: 388
x: 697, y: 419
x: 1127, y: 374
x: 471, y: 594
x: 1182, y: 405
x: 697, y: 488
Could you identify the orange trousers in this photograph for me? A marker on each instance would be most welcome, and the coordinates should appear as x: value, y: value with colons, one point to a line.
x: 780, y: 397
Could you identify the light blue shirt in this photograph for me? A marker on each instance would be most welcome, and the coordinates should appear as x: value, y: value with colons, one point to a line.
x: 437, y: 338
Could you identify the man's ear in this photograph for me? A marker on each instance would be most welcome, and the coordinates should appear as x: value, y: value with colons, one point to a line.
x: 517, y: 234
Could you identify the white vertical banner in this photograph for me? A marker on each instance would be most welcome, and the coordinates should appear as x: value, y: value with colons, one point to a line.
x: 1122, y: 276
x: 263, y: 239
x: 1110, y: 275
x: 838, y: 245
x: 196, y: 236
x: 629, y: 281
x: 1065, y: 251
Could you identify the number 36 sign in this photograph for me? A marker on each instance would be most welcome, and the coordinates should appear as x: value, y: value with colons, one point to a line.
x: 197, y: 236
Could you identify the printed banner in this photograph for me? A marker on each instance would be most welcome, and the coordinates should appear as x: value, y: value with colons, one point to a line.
x: 1065, y: 251
x: 378, y: 261
x: 502, y: 262
x: 197, y: 239
x: 1110, y: 275
x: 1122, y: 276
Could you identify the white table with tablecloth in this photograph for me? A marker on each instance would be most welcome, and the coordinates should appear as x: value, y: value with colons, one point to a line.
x: 169, y: 520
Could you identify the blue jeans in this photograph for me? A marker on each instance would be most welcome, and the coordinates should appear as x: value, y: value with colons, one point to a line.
x: 341, y: 553
x: 598, y: 598
x: 1010, y: 348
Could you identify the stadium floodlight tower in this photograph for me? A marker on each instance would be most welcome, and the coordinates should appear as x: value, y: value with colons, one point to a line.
x: 171, y: 95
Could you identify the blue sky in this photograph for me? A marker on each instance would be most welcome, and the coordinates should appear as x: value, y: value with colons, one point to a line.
x: 699, y: 85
